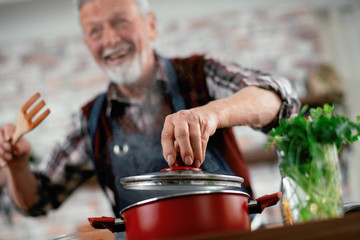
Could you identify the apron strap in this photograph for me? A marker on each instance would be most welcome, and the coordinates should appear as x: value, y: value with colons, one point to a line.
x: 177, y: 100
x: 94, y: 117
x: 92, y: 126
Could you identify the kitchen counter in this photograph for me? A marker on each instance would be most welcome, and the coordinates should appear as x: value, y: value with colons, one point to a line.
x: 346, y: 228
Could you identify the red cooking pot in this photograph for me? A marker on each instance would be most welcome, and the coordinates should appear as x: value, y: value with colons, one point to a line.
x: 190, y: 214
x: 187, y: 215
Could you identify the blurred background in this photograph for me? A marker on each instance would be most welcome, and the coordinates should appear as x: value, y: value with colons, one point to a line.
x: 315, y: 44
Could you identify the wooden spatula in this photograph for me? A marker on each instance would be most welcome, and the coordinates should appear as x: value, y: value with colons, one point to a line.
x: 25, y: 121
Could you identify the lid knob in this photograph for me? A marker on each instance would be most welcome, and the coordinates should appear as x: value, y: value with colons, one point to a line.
x: 181, y: 168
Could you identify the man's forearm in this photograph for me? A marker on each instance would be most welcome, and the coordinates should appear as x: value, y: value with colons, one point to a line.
x: 23, y: 187
x: 251, y: 106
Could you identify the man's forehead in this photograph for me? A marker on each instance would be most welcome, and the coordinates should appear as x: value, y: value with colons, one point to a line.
x: 80, y: 3
x: 105, y: 9
x: 108, y: 16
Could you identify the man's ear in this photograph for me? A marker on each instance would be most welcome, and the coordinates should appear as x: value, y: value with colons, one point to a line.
x: 151, y: 25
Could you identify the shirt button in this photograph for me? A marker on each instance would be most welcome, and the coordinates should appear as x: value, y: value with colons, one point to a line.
x: 121, y: 150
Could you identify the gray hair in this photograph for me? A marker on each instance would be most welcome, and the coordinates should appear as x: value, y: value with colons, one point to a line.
x: 143, y: 5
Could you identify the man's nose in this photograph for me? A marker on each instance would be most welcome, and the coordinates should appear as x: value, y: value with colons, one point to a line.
x: 111, y: 37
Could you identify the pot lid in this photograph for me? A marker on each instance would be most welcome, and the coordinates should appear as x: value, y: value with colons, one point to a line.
x: 182, y: 178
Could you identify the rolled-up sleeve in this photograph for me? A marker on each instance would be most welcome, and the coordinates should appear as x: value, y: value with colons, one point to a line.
x: 224, y: 80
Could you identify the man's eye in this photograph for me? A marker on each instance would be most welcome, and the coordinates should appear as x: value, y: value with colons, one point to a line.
x: 119, y: 21
x: 94, y: 31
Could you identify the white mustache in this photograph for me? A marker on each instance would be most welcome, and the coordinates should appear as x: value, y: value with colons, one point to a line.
x: 107, y: 52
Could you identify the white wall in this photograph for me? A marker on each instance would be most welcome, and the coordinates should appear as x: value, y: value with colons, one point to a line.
x: 341, y: 45
x: 38, y: 18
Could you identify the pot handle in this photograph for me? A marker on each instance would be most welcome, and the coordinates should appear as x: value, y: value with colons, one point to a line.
x: 258, y: 205
x: 113, y: 224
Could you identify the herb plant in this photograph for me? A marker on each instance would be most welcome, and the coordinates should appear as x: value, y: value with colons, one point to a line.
x: 308, y: 162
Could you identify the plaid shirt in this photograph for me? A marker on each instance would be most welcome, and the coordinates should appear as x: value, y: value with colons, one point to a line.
x: 71, y: 164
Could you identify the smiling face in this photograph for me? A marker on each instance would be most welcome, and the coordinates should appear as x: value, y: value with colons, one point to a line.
x: 119, y: 38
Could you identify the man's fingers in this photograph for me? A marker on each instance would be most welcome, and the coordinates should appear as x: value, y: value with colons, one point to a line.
x: 177, y: 147
x: 167, y: 143
x: 5, y: 145
x: 8, y: 131
x: 2, y: 163
x: 195, y: 140
x: 186, y: 132
x: 5, y: 154
x: 182, y: 137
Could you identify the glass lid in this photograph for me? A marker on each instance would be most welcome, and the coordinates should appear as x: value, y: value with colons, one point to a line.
x: 182, y: 178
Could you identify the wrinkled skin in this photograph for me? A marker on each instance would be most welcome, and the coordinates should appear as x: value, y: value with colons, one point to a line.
x: 188, y: 131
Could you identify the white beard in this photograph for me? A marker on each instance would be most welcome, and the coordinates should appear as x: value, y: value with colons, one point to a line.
x: 127, y: 73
